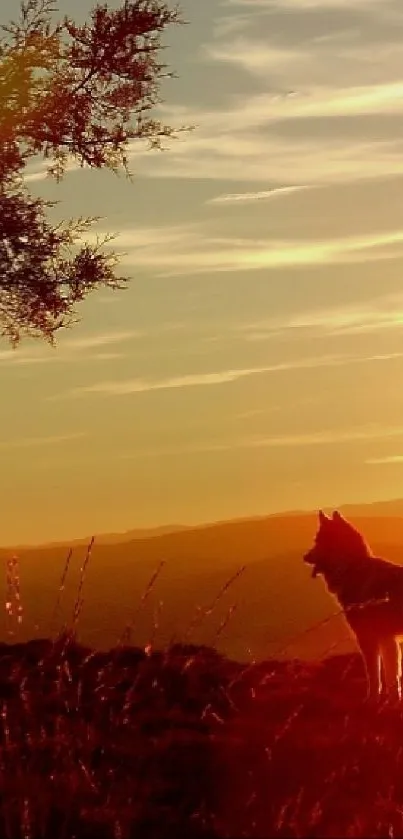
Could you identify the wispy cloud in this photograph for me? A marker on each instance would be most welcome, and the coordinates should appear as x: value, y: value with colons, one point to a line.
x: 196, y: 250
x: 33, y: 442
x: 103, y: 340
x: 316, y: 71
x: 385, y: 461
x: 39, y: 170
x: 235, y: 144
x: 326, y: 437
x: 346, y: 65
x: 31, y: 177
x: 303, y: 71
x: 251, y: 197
x: 68, y: 350
x: 381, y: 313
x: 265, y: 109
x: 137, y: 386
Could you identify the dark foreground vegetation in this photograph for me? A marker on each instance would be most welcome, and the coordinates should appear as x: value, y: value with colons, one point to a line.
x: 140, y: 743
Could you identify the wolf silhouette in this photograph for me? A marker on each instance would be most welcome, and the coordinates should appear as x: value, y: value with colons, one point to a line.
x: 369, y: 590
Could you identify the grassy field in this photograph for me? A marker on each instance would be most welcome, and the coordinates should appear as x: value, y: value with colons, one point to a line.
x: 106, y: 744
x: 163, y: 741
x: 186, y: 743
x: 311, y: 758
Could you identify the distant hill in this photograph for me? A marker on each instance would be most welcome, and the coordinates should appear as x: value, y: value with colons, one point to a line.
x: 272, y: 608
x: 110, y: 538
x: 385, y: 509
x: 390, y: 509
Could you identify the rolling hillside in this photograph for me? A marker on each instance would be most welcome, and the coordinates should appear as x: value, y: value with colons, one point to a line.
x: 272, y: 607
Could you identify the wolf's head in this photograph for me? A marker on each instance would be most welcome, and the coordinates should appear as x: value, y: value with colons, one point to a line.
x: 336, y: 541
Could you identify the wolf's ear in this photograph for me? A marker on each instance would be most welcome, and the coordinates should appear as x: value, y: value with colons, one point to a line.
x: 337, y: 516
x: 323, y: 517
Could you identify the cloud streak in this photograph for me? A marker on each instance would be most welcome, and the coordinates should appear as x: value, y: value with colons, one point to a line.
x: 224, y: 148
x: 89, y: 342
x: 138, y: 386
x: 310, y: 84
x: 34, y: 442
x: 376, y: 315
x: 68, y: 350
x: 311, y: 117
x: 385, y: 461
x: 197, y: 251
x: 39, y: 172
x: 325, y: 437
x: 252, y: 197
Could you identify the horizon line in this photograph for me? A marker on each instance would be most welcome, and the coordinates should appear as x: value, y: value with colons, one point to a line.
x: 154, y: 531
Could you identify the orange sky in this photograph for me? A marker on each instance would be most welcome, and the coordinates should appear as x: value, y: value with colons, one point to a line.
x: 255, y: 362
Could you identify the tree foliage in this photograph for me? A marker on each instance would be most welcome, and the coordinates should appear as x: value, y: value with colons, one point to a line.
x: 79, y: 93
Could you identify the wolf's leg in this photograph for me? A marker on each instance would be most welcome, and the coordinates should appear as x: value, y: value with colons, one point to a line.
x: 392, y: 666
x: 370, y: 654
